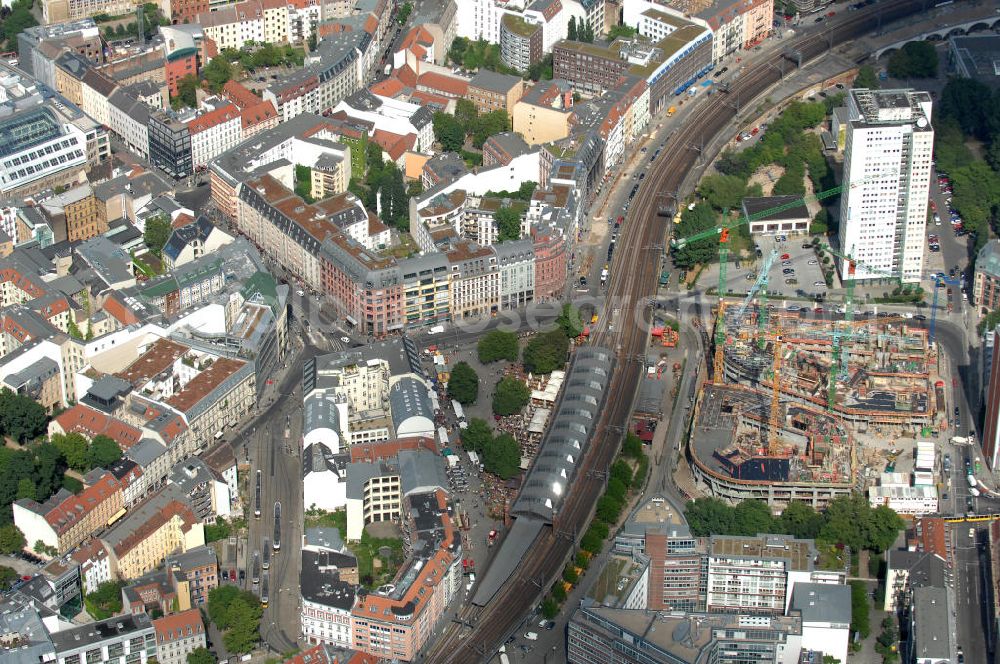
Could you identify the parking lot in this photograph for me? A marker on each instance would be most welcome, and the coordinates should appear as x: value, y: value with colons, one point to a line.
x: 798, y: 275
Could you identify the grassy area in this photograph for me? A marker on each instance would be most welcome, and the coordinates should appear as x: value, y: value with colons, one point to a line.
x: 366, y: 551
x: 607, y: 583
x: 831, y: 557
x: 406, y: 247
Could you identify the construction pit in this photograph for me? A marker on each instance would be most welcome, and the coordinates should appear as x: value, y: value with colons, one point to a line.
x: 828, y: 437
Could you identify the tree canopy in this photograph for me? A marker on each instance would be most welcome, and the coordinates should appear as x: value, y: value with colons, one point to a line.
x: 546, y: 352
x: 973, y: 105
x: 866, y: 78
x: 11, y: 539
x: 106, y: 601
x: 917, y: 59
x: 477, y: 435
x: 497, y: 345
x: 200, y: 656
x: 448, y: 131
x: 237, y: 613
x: 502, y: 456
x: 569, y: 321
x: 509, y: 224
x: 511, y: 395
x: 699, y: 218
x: 463, y: 384
x: 21, y: 418
x: 723, y: 191
x: 19, y: 19
x: 156, y: 234
x: 848, y: 520
x: 217, y: 73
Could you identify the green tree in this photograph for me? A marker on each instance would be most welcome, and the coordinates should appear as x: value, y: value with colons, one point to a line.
x: 463, y: 384
x: 608, y: 509
x: 404, y: 13
x: 489, y: 124
x: 632, y: 446
x: 860, y: 621
x: 699, y: 218
x: 753, y: 517
x: 26, y: 489
x: 723, y: 191
x: 570, y: 574
x: 200, y: 656
x: 800, y: 520
x: 457, y: 51
x: 244, y: 625
x: 478, y: 436
x: 21, y: 417
x: 709, y: 516
x: 509, y: 223
x: 156, y: 234
x: 187, y: 92
x: 7, y: 577
x: 569, y: 321
x: 511, y: 395
x: 73, y: 447
x: 866, y: 78
x: 617, y: 489
x: 546, y: 352
x: 573, y: 34
x: 217, y: 73
x: 466, y: 113
x: 502, y: 457
x: 918, y: 59
x: 497, y: 345
x: 106, y: 601
x: 973, y: 105
x: 219, y: 601
x: 621, y: 471
x: 119, y: 31
x: 11, y: 539
x: 303, y: 182
x: 559, y: 592
x: 623, y: 31
x: 591, y: 541
x: 103, y: 452
x: 448, y: 132
x: 550, y: 608
x: 217, y: 531
x: 49, y: 467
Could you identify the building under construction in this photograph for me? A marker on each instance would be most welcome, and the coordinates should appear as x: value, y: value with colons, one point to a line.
x: 791, y: 393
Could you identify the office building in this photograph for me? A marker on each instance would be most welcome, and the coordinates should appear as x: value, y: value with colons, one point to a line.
x: 130, y: 637
x: 177, y: 636
x: 887, y: 169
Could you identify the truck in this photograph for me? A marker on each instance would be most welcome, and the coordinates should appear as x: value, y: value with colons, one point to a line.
x: 974, y: 491
x: 531, y: 636
x: 959, y: 440
x: 437, y: 329
x: 972, y: 480
x: 604, y: 277
x: 671, y: 111
x: 388, y: 69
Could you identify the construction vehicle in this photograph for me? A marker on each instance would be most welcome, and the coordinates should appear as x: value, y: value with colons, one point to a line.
x: 671, y: 111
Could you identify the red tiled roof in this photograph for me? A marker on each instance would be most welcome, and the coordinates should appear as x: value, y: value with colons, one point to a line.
x: 394, y: 144
x: 182, y: 219
x: 239, y: 94
x: 69, y: 512
x: 446, y: 85
x: 178, y: 626
x: 260, y: 112
x: 213, y: 118
x: 390, y: 87
x: 407, y: 76
x: 389, y: 448
x: 159, y: 357
x: 90, y: 422
x: 117, y: 310
x: 429, y: 98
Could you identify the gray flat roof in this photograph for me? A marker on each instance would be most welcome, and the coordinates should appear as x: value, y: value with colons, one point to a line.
x: 932, y: 629
x: 823, y: 602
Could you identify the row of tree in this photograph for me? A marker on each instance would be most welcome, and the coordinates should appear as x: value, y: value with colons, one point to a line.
x: 383, y: 188
x: 501, y: 455
x: 581, y: 31
x: 848, y: 520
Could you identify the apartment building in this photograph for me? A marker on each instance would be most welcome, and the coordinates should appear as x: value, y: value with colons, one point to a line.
x: 327, y: 599
x: 598, y: 634
x: 669, y: 64
x: 887, y: 165
x: 57, y: 11
x: 65, y: 519
x: 232, y: 26
x: 129, y: 637
x: 397, y: 624
x: 213, y: 133
x: 129, y: 119
x: 200, y: 566
x: 986, y: 278
x: 77, y: 212
x: 521, y: 42
x: 544, y: 113
x: 160, y: 526
x: 491, y: 91
x: 755, y: 575
x: 94, y: 563
x: 178, y: 635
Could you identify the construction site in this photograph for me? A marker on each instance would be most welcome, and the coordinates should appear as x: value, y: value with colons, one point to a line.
x: 804, y: 408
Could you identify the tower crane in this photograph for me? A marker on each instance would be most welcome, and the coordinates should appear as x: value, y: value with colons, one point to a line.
x: 723, y: 232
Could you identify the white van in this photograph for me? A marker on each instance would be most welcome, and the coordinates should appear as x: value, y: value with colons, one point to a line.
x: 531, y: 636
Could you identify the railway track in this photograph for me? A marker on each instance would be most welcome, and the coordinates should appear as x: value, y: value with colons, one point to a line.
x: 478, y: 631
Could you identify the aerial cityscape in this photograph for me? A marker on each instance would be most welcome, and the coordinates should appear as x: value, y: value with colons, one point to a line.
x: 461, y: 331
